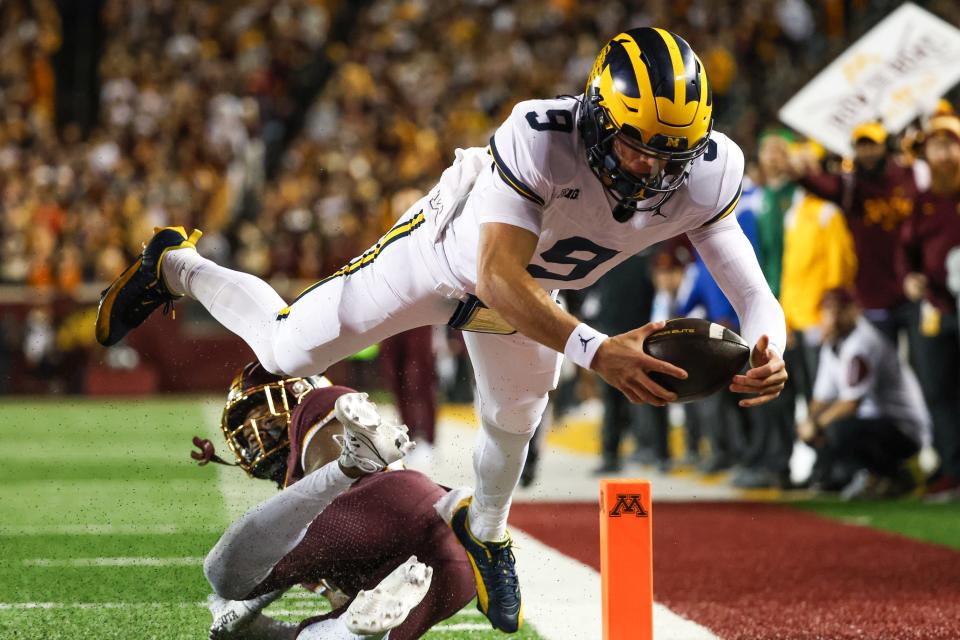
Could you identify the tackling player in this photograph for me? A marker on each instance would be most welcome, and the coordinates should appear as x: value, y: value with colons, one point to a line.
x: 376, y: 542
x: 567, y: 189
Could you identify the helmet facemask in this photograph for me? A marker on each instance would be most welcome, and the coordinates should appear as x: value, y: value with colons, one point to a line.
x: 599, y: 135
x: 256, y: 424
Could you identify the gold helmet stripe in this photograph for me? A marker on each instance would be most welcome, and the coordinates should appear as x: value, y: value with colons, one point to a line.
x: 677, y: 112
x: 679, y: 72
x: 621, y: 107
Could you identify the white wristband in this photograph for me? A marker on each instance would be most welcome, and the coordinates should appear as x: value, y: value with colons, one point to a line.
x: 582, y: 345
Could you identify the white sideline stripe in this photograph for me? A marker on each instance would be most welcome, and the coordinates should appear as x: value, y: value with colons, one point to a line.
x: 561, y: 597
x: 104, y: 529
x: 21, y: 606
x: 132, y: 561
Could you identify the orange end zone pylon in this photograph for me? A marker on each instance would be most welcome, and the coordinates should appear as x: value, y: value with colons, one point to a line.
x: 626, y: 559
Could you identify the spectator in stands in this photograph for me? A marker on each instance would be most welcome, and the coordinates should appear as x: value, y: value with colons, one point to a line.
x: 818, y: 255
x: 876, y: 195
x: 928, y: 236
x: 867, y: 416
x: 777, y: 197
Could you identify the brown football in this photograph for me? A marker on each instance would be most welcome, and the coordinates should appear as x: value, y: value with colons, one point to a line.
x: 710, y: 354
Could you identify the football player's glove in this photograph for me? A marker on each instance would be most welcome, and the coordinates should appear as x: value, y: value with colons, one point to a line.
x: 648, y: 91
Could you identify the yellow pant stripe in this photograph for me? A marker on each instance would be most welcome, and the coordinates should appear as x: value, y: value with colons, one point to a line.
x: 396, y: 233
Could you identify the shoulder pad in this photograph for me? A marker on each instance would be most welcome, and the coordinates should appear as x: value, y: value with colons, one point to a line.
x: 715, y: 180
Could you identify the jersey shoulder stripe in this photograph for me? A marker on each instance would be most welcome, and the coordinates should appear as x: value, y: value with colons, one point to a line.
x: 510, y: 178
x: 726, y: 210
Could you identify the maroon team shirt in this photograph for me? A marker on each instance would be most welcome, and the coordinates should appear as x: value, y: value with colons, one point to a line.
x: 875, y: 210
x: 927, y: 237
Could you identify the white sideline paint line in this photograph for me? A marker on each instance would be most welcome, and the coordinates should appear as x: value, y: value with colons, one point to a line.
x: 104, y: 529
x: 561, y: 597
x: 188, y: 561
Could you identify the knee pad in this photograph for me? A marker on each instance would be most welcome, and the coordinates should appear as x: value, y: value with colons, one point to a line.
x: 519, y: 417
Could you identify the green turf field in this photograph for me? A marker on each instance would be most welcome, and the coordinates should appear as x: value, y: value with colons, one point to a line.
x: 937, y: 523
x: 104, y: 521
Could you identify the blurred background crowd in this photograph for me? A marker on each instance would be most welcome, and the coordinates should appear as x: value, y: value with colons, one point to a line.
x: 293, y: 132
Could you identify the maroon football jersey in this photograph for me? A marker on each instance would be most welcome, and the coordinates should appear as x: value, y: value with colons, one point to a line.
x: 875, y: 209
x: 928, y: 236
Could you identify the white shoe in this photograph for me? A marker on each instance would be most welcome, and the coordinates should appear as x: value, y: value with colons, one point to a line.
x: 368, y: 444
x: 232, y: 617
x: 390, y: 602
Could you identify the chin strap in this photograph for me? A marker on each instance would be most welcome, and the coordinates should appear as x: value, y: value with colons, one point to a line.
x: 207, y: 454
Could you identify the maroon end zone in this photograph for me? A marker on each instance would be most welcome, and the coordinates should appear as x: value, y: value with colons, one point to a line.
x: 763, y: 571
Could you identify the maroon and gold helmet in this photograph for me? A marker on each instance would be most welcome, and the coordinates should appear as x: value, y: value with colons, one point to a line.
x: 256, y: 418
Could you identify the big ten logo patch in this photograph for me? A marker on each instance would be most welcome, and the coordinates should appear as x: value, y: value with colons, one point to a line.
x: 570, y: 193
x: 628, y: 503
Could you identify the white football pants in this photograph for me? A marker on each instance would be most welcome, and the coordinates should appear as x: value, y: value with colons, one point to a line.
x: 396, y: 285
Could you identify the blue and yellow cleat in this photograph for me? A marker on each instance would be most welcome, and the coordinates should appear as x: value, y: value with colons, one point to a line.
x: 498, y: 590
x: 139, y: 290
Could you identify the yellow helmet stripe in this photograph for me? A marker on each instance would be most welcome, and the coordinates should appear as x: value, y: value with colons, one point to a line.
x: 679, y: 71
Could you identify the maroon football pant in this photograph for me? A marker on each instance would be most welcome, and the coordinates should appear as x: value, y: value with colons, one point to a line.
x: 370, y: 530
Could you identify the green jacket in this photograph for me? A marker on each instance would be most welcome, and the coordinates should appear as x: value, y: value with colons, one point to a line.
x: 776, y: 202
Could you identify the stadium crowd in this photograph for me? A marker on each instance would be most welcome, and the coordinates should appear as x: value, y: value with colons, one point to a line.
x: 194, y: 97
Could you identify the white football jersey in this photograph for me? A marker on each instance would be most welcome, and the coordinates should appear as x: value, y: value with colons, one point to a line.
x: 537, y: 178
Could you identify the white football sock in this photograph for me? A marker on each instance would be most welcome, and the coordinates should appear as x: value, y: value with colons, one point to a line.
x: 243, y: 558
x: 498, y: 459
x: 243, y: 303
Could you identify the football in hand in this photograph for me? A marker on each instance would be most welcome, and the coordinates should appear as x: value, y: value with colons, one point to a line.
x: 710, y: 354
